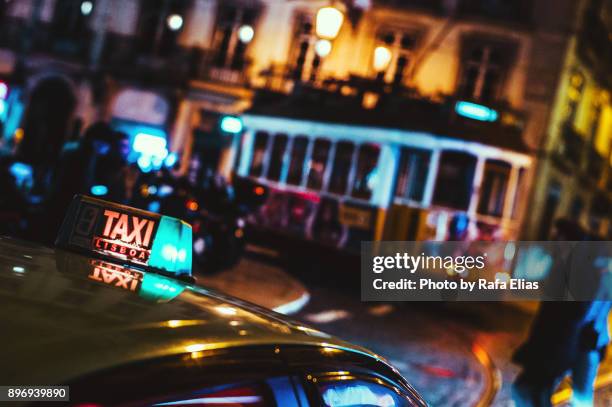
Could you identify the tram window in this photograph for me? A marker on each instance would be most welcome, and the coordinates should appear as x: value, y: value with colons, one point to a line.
x: 519, y: 192
x: 455, y: 178
x: 365, y: 178
x: 279, y: 145
x: 494, y: 187
x: 259, y: 153
x: 413, y: 169
x: 341, y: 168
x: 296, y: 163
x: 318, y: 162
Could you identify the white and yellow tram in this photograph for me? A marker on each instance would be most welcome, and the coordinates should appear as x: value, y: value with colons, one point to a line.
x: 340, y: 184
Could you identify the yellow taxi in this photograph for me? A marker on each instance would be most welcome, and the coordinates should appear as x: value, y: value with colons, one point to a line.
x: 113, y: 317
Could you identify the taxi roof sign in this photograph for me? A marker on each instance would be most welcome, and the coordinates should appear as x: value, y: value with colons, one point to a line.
x: 128, y: 235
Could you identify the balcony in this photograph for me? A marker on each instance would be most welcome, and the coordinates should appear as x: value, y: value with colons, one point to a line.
x: 45, y: 39
x: 123, y: 56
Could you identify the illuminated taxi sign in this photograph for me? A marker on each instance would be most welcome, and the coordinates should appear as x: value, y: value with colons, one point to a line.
x: 134, y: 236
x: 125, y: 235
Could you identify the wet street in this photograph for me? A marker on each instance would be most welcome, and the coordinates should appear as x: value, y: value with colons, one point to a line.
x: 443, y: 349
x: 454, y: 354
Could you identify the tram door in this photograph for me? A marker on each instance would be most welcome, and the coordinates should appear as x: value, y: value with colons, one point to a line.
x: 406, y: 219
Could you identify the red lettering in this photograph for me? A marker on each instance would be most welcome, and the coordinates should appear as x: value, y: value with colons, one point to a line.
x: 121, y: 228
x: 138, y: 225
x: 96, y: 274
x: 110, y: 215
x: 147, y: 237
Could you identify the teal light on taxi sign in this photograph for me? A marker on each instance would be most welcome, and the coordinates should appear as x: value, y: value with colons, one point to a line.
x: 128, y: 235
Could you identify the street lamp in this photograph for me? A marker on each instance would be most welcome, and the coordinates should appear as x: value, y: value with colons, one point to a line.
x: 382, y: 58
x: 86, y: 8
x: 175, y: 22
x: 323, y: 48
x: 246, y: 33
x: 328, y: 22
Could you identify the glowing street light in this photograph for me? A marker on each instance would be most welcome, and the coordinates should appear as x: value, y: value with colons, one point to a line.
x: 382, y: 58
x: 328, y: 22
x: 323, y: 48
x: 246, y: 34
x: 86, y: 8
x: 175, y: 22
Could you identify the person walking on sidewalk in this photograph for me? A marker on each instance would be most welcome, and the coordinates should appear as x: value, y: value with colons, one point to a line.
x: 594, y: 336
x: 567, y: 336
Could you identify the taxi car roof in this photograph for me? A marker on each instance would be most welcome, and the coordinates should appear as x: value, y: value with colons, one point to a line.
x: 51, y: 311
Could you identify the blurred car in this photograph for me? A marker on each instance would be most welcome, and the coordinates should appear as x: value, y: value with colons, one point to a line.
x: 93, y: 316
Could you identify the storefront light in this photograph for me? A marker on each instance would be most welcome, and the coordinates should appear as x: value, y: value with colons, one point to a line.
x: 328, y: 22
x: 3, y: 90
x: 246, y: 34
x: 170, y: 160
x: 382, y: 58
x: 175, y: 22
x: 151, y: 145
x: 323, y: 48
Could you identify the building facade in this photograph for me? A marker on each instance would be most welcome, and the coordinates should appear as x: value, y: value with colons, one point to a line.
x: 171, y: 68
x: 574, y: 159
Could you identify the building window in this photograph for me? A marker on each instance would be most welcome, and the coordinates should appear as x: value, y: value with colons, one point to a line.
x: 402, y: 45
x: 259, y: 154
x: 304, y: 61
x: 553, y: 196
x: 69, y: 20
x: 484, y: 67
x: 156, y: 34
x: 296, y: 164
x: 318, y: 163
x: 493, y: 188
x: 455, y: 179
x: 596, y: 113
x: 520, y: 191
x: 341, y: 168
x: 279, y: 145
x: 412, y: 175
x: 574, y: 96
x: 366, y: 171
x: 229, y: 41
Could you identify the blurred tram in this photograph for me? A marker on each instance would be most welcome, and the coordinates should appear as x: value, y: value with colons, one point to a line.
x: 338, y: 179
